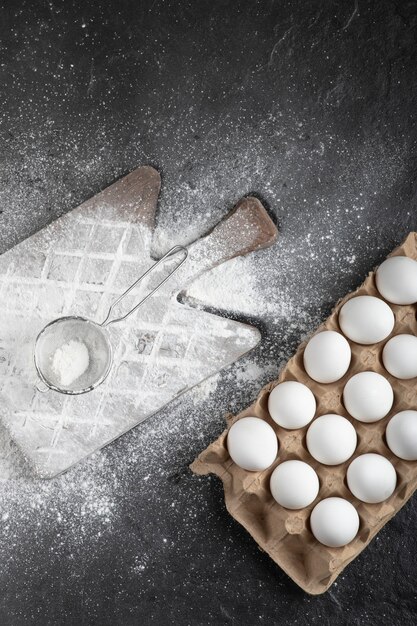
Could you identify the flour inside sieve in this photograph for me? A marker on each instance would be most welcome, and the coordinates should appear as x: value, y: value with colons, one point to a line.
x: 73, y: 335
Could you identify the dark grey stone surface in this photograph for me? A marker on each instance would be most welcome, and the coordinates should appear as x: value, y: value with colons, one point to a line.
x: 313, y: 107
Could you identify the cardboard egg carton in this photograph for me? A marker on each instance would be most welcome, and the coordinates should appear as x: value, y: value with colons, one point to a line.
x: 285, y: 534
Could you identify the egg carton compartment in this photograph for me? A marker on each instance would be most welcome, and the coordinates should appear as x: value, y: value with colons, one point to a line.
x: 285, y: 534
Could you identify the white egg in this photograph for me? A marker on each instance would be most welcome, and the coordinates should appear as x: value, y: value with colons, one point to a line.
x: 400, y: 356
x: 291, y: 404
x: 327, y: 356
x: 334, y: 522
x: 252, y: 444
x: 368, y: 396
x: 331, y: 439
x: 366, y: 319
x: 396, y: 280
x: 401, y: 435
x: 294, y: 484
x: 371, y: 478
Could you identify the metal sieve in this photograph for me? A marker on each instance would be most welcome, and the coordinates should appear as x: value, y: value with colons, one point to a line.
x: 93, y: 335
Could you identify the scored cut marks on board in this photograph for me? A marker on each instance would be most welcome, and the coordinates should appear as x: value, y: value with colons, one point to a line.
x: 77, y: 266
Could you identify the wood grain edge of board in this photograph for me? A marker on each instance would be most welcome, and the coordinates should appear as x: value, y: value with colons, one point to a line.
x: 139, y: 189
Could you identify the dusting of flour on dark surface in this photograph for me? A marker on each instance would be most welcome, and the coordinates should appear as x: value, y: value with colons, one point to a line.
x: 310, y: 106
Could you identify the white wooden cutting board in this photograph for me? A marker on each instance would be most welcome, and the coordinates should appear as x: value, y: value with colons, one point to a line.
x: 78, y: 265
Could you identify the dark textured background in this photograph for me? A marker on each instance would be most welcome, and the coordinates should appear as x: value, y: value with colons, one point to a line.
x: 310, y: 104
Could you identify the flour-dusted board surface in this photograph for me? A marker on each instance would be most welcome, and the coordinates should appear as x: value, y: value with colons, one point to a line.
x: 77, y: 266
x: 285, y: 534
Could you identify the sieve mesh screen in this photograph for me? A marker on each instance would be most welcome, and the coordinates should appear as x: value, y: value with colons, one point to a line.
x: 60, y: 332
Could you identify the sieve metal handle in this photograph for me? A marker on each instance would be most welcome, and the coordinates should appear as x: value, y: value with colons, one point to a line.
x: 166, y: 256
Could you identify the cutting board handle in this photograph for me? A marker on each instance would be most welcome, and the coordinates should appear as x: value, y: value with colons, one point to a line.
x: 246, y: 228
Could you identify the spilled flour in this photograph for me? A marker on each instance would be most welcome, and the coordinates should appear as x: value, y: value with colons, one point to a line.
x: 85, y: 502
